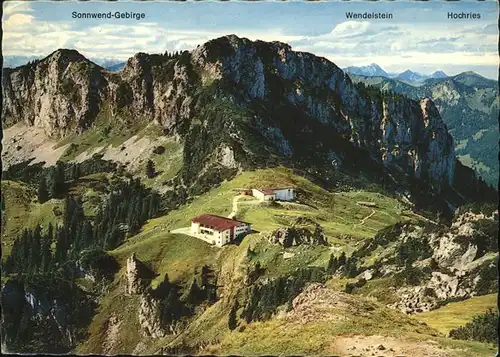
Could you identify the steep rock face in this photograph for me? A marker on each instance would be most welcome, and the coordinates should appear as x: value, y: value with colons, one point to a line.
x: 43, y: 318
x: 64, y: 93
x: 463, y: 256
x: 61, y: 93
x: 137, y: 276
x: 458, y: 99
x: 149, y: 317
x: 303, y: 231
x: 459, y: 248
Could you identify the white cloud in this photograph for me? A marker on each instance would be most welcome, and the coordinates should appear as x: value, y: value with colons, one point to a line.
x: 348, y: 29
x: 16, y: 20
x: 11, y: 7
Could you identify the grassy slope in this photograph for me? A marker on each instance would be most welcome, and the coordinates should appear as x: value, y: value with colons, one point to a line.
x: 110, y: 132
x: 167, y: 165
x: 338, y: 213
x: 106, y: 130
x: 291, y: 337
x: 22, y: 210
x: 178, y: 255
x: 457, y: 314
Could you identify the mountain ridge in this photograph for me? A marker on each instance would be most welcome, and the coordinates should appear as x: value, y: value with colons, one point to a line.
x: 459, y: 98
x: 412, y: 77
x: 251, y: 72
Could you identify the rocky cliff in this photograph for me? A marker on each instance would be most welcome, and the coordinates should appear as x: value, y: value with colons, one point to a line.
x: 48, y: 317
x: 247, y: 90
x: 440, y: 264
x: 458, y: 99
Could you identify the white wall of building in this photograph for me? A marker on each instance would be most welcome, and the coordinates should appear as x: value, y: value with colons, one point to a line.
x: 256, y: 193
x: 223, y: 237
x: 195, y: 227
x: 285, y: 194
x: 242, y: 228
x: 216, y: 237
x: 262, y: 196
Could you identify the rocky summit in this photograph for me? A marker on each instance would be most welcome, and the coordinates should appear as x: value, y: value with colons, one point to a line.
x: 241, y: 198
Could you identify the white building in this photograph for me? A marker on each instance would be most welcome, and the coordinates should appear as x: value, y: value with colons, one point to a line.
x: 217, y: 230
x: 274, y: 194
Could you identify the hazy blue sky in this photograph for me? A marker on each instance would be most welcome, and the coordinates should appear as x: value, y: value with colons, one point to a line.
x: 419, y: 36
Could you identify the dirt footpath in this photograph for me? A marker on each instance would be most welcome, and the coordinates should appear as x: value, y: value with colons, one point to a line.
x: 387, y: 347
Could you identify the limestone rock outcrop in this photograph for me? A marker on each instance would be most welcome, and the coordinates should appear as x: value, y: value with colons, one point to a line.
x: 462, y: 254
x: 138, y: 275
x: 293, y: 236
x: 150, y: 317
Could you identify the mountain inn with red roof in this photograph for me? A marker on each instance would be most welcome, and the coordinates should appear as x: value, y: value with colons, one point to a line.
x: 274, y: 194
x: 217, y: 230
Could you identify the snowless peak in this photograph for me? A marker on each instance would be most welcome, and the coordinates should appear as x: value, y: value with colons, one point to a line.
x: 439, y: 74
x: 372, y: 70
x: 411, y: 76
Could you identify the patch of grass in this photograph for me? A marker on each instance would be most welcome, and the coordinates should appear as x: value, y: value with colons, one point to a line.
x: 457, y: 314
x: 292, y: 337
x: 107, y: 129
x: 22, y: 210
x: 167, y: 165
x: 384, y: 290
x: 270, y: 257
x: 93, y: 190
x: 338, y: 213
x: 178, y: 255
x: 174, y: 254
x: 468, y: 348
x: 124, y: 308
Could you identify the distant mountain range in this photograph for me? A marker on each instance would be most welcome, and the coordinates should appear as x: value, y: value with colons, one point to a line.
x: 16, y: 61
x: 108, y: 63
x: 374, y: 70
x: 115, y: 67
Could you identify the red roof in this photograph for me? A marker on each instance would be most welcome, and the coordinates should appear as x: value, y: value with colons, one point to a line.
x: 270, y: 191
x: 216, y: 222
x: 267, y: 191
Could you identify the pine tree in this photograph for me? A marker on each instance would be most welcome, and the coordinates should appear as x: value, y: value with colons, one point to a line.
x: 43, y: 193
x: 145, y: 209
x: 350, y: 268
x: 87, y: 234
x: 333, y: 264
x: 152, y: 206
x: 342, y: 259
x: 75, y: 171
x: 35, y: 250
x: 150, y: 169
x: 60, y: 177
x: 46, y: 255
x: 204, y: 277
x: 232, y: 316
x: 61, y: 245
x: 51, y: 182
